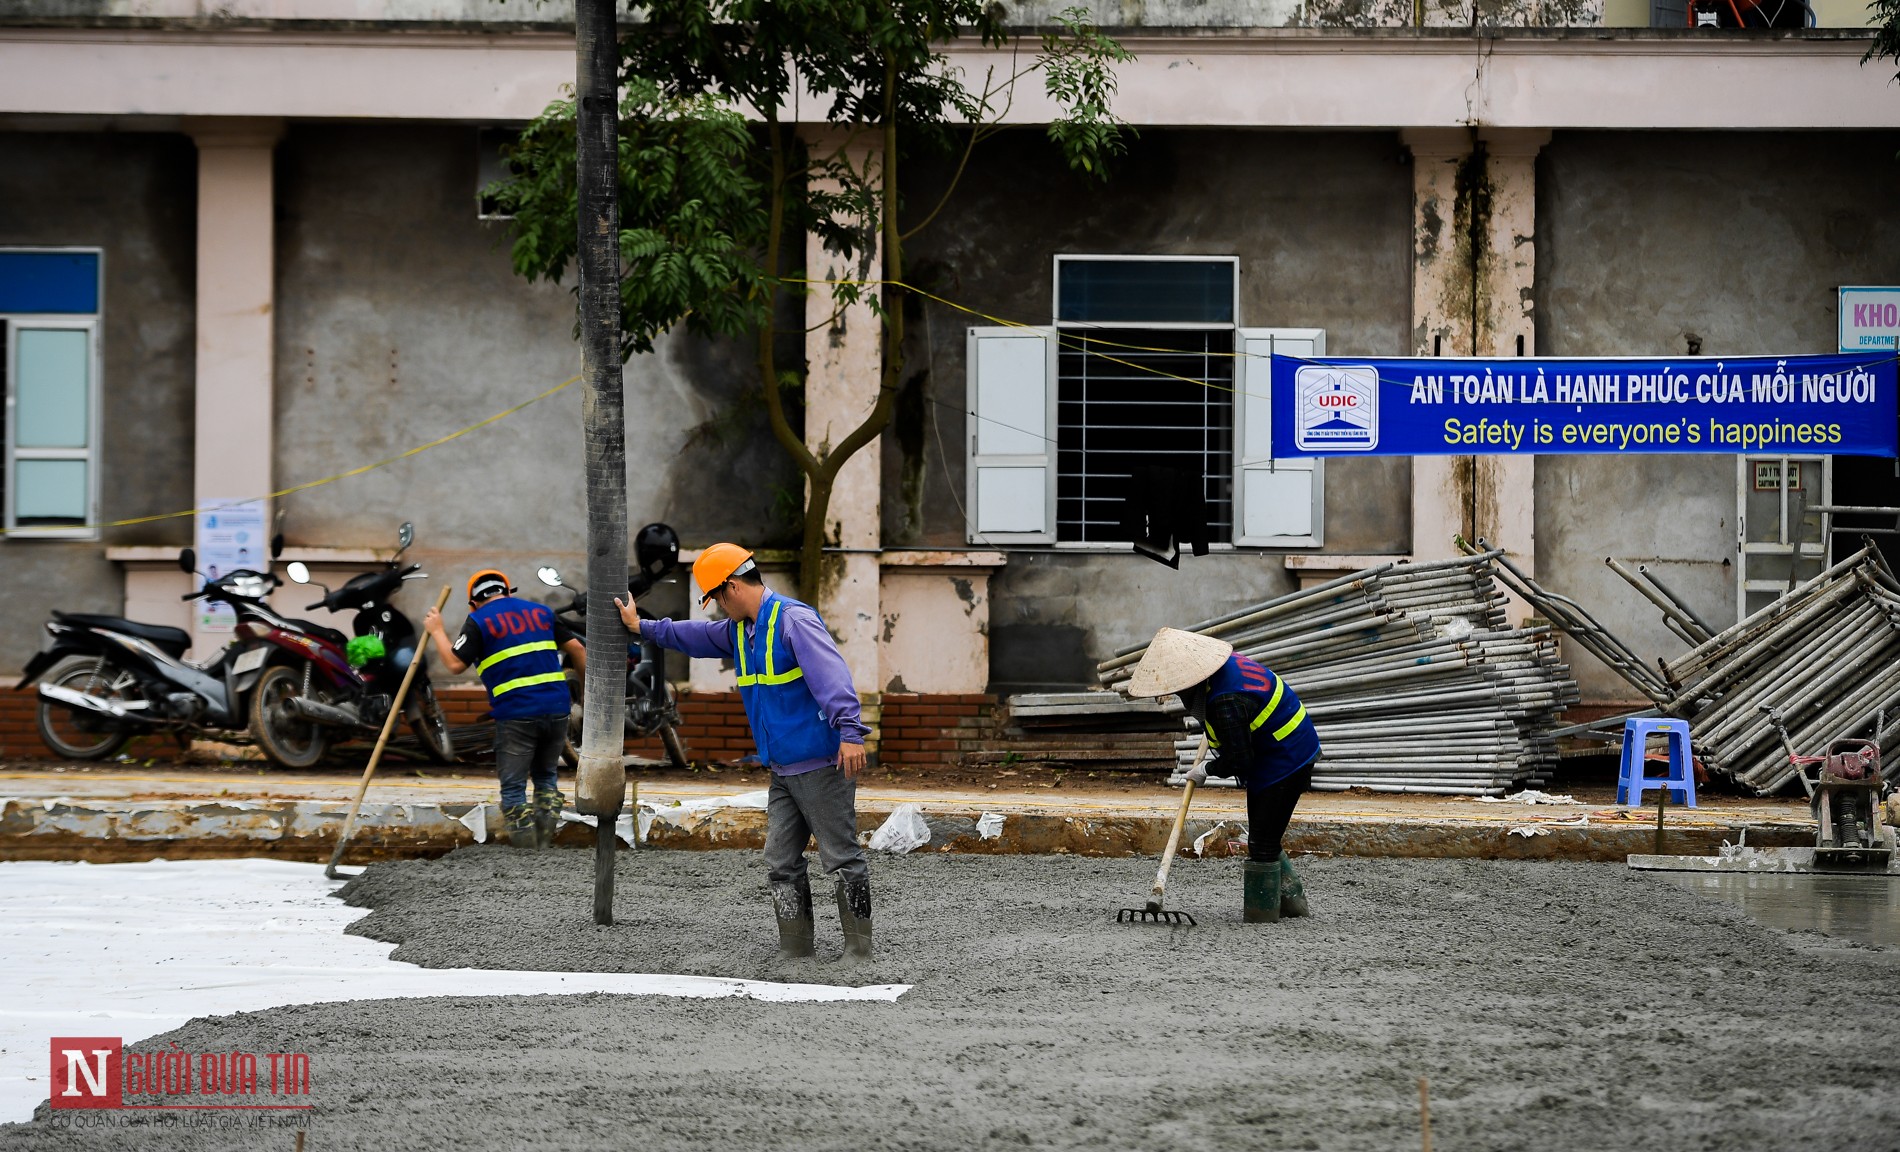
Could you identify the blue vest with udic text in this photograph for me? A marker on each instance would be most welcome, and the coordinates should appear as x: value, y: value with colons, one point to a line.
x: 522, y: 668
x: 785, y: 719
x: 1284, y: 740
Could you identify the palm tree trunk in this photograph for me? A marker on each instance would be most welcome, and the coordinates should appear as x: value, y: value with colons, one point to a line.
x: 602, y: 783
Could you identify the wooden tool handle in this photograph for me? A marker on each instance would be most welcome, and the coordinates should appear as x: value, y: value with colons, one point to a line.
x: 376, y: 757
x: 1174, y: 835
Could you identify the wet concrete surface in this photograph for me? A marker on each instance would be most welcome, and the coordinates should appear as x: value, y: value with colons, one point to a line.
x: 1554, y: 1006
x: 1865, y: 908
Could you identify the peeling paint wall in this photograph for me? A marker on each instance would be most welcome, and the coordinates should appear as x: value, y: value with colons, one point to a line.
x: 399, y: 320
x: 1643, y: 240
x: 1320, y: 223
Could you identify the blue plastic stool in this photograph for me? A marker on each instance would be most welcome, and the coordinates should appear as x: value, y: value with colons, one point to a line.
x: 1679, y: 780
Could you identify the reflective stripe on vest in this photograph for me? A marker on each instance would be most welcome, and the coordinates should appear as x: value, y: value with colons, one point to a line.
x: 771, y: 675
x: 1280, y: 733
x: 525, y: 681
x: 520, y: 681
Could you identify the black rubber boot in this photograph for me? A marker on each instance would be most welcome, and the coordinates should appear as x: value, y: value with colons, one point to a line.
x: 792, y: 903
x: 521, y: 830
x: 548, y: 803
x: 1260, y: 891
x: 1292, y: 892
x: 854, y: 915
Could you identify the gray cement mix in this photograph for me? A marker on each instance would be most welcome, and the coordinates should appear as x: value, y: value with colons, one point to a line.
x: 1552, y: 1006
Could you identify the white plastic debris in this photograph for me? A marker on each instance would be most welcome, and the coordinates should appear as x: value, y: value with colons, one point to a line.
x: 1530, y: 830
x: 904, y: 831
x: 1200, y: 842
x: 1529, y: 796
x: 989, y: 825
x: 476, y: 821
x: 623, y: 824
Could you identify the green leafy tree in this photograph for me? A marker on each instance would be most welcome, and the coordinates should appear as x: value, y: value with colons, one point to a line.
x: 1886, y: 45
x: 718, y: 191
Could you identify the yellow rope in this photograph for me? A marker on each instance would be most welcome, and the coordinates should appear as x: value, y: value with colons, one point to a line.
x: 309, y: 484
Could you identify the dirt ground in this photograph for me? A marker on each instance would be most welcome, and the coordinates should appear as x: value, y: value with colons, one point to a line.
x: 1552, y: 1006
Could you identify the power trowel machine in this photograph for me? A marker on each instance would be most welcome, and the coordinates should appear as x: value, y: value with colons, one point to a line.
x: 1845, y: 795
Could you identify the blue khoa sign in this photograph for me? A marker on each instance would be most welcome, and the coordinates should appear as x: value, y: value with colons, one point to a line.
x: 1339, y: 406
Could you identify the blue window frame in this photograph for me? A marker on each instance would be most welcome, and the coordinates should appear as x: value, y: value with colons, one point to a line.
x: 49, y: 354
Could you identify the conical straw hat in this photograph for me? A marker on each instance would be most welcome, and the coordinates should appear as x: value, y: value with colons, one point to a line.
x: 1177, y: 660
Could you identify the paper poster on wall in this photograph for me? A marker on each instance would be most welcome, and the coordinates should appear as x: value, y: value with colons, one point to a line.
x: 1338, y: 406
x: 230, y: 536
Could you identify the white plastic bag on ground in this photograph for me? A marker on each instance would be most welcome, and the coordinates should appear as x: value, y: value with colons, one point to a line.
x: 904, y: 831
x: 989, y: 825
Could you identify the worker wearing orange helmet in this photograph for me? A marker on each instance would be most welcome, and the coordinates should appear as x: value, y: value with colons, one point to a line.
x: 803, y: 710
x: 515, y: 646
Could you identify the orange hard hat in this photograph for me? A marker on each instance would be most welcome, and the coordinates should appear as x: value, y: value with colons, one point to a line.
x: 488, y: 582
x: 718, y: 564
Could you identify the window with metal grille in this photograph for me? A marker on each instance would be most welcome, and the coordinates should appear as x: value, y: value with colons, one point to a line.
x: 1144, y: 388
x: 1144, y: 385
x: 1136, y: 399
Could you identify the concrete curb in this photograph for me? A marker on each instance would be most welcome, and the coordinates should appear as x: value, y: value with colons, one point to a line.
x: 114, y: 831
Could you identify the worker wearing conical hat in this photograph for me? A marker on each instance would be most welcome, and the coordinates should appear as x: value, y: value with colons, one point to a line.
x: 1259, y: 733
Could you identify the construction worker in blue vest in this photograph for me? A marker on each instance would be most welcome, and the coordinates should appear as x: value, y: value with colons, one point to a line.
x: 803, y: 710
x: 515, y: 646
x: 1258, y: 733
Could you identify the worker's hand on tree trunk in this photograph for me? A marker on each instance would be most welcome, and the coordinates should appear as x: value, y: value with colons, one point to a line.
x: 629, y: 613
x: 851, y: 760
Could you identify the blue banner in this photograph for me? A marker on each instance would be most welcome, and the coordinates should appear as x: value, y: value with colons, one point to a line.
x: 1344, y: 406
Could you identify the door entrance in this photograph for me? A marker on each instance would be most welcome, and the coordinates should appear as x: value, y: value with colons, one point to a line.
x: 1778, y: 536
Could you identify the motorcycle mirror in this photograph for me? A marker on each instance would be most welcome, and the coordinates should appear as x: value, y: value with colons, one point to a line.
x: 188, y: 561
x: 406, y: 535
x: 549, y: 576
x: 298, y: 571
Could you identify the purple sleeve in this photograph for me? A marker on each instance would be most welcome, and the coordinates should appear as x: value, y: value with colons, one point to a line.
x: 701, y: 639
x: 827, y: 677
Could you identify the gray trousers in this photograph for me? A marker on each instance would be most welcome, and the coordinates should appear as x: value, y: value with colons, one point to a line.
x: 819, y: 803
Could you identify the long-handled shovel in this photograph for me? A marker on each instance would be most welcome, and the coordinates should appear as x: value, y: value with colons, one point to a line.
x: 1152, y: 912
x: 376, y: 757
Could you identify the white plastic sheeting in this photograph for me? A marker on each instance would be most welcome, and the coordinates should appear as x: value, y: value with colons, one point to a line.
x: 133, y: 950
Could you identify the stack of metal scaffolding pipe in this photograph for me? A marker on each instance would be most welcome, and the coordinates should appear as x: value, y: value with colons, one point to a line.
x: 1412, y: 677
x: 1823, y: 661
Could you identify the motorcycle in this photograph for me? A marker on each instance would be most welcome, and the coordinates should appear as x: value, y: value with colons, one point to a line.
x: 319, y: 685
x: 105, y: 679
x: 651, y: 708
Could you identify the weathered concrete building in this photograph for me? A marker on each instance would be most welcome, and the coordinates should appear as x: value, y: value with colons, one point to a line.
x: 294, y: 279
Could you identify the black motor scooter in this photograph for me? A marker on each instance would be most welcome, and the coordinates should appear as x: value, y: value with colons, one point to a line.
x: 105, y: 679
x: 651, y: 708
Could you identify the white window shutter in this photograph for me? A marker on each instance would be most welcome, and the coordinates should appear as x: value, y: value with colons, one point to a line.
x: 1012, y: 462
x: 1277, y: 503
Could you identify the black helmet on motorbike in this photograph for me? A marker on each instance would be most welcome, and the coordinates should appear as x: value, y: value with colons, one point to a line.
x: 656, y: 550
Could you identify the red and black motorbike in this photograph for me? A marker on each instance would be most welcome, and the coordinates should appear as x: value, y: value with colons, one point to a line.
x: 320, y: 686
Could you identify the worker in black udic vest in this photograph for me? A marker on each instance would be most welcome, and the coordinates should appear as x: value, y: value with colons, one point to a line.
x: 515, y: 646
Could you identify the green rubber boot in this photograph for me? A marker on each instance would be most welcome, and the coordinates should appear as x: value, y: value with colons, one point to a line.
x: 548, y: 803
x: 1292, y: 892
x: 1260, y: 880
x: 521, y: 830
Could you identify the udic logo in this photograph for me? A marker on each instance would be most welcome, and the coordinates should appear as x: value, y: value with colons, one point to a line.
x: 1338, y: 408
